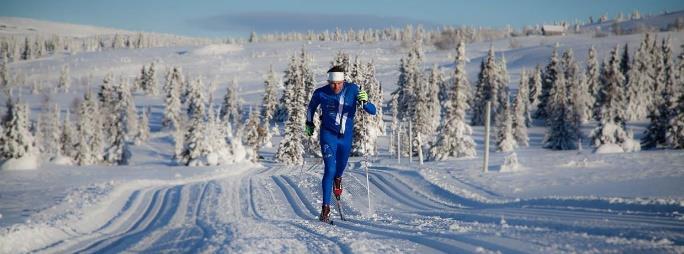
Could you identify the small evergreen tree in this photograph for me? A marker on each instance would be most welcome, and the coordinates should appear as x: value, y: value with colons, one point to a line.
x: 561, y: 130
x: 67, y: 137
x: 172, y: 103
x: 521, y: 111
x: 548, y: 78
x: 593, y: 82
x: 269, y: 106
x: 505, y: 141
x: 143, y: 132
x: 674, y: 137
x: 195, y: 145
x: 454, y: 135
x: 639, y: 82
x: 535, y: 84
x: 291, y: 148
x: 664, y: 109
x: 230, y: 109
x: 16, y: 141
x: 64, y: 79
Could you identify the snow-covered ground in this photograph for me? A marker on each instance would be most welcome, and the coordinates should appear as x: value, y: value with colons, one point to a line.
x: 556, y: 201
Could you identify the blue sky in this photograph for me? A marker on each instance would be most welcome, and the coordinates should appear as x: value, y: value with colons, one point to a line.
x: 216, y: 18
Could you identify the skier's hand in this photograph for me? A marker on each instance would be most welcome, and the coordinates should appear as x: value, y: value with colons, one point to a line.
x: 309, y: 129
x: 362, y: 97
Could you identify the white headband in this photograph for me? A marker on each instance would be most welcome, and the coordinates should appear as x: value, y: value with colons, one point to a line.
x: 336, y: 76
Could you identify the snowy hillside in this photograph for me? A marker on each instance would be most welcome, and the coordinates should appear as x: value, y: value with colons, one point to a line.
x: 24, y: 26
x: 552, y: 201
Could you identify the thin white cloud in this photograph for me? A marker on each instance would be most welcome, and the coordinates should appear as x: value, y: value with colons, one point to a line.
x: 266, y: 22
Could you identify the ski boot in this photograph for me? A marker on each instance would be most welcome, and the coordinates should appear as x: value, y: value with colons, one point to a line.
x: 337, y: 187
x: 325, y: 214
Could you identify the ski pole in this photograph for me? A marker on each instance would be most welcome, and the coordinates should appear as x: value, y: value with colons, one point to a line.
x: 365, y: 165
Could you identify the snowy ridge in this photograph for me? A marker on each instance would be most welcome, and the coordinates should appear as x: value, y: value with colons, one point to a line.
x: 25, y: 26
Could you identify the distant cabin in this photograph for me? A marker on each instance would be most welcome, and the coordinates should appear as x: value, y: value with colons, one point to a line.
x: 549, y: 30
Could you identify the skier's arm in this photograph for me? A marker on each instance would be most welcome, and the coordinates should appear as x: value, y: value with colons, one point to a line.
x: 362, y: 97
x: 313, y: 106
x: 369, y: 107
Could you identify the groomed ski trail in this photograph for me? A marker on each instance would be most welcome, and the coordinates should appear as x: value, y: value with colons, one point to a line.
x: 275, y: 209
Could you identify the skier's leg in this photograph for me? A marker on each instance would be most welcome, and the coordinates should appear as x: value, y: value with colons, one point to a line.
x: 343, y: 152
x: 328, y: 150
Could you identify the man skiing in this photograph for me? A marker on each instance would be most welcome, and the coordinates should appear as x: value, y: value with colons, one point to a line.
x: 338, y: 102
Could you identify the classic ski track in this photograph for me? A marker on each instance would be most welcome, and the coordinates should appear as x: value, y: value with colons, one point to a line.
x: 142, y: 223
x: 367, y: 227
x: 545, y: 219
x: 549, y: 211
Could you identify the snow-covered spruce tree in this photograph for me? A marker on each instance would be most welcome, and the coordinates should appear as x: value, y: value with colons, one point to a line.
x: 664, y: 109
x: 639, y: 83
x: 93, y: 109
x: 291, y: 75
x: 27, y: 53
x: 610, y: 133
x: 593, y: 73
x: 128, y: 104
x: 505, y: 142
x: 375, y: 96
x: 394, y: 105
x: 108, y: 97
x: 561, y: 130
x: 576, y: 88
x: 613, y: 90
x: 16, y: 141
x: 312, y: 145
x: 521, y: 111
x: 67, y: 139
x: 410, y: 78
x: 64, y: 79
x: 251, y: 134
x: 535, y: 84
x: 491, y: 86
x: 51, y: 130
x: 151, y: 84
x: 141, y: 81
x: 194, y: 142
x: 230, y: 109
x: 434, y: 82
x: 4, y: 76
x: 484, y: 89
x: 548, y: 78
x: 291, y: 149
x: 172, y: 103
x: 268, y: 107
x: 625, y: 62
x: 454, y: 135
x: 218, y: 151
x: 657, y: 73
x: 36, y: 130
x: 365, y: 126
x: 117, y: 148
x: 143, y: 132
x: 88, y: 147
x: 674, y: 136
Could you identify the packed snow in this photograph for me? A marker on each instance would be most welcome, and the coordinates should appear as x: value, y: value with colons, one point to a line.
x: 615, y: 198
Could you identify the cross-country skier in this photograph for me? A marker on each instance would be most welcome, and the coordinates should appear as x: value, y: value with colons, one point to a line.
x: 338, y: 102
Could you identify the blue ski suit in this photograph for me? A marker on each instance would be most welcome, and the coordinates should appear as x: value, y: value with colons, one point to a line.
x: 337, y: 129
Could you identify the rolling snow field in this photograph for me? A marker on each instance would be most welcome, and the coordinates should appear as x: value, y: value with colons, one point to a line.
x: 553, y: 202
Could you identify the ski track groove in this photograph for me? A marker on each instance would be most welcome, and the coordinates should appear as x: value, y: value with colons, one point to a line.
x: 530, y: 218
x: 430, y: 243
x: 299, y: 211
